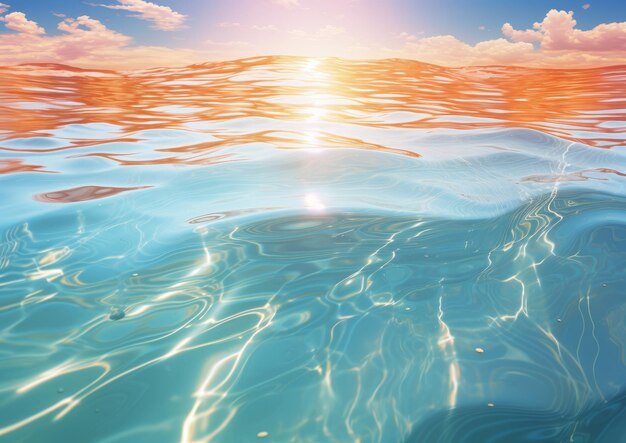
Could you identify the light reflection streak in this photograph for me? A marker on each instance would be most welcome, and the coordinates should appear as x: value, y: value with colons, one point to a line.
x: 446, y: 346
x: 209, y: 391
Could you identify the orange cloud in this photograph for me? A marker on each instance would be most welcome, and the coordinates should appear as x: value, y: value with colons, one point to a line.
x: 162, y: 17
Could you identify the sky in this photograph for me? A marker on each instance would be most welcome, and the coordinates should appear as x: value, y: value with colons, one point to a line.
x: 135, y: 34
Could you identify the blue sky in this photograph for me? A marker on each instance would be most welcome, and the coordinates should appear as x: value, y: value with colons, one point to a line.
x: 461, y: 18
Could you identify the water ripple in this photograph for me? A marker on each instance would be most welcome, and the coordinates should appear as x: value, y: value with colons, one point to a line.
x: 319, y: 249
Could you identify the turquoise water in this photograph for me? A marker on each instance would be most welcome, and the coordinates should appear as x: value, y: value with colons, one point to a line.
x: 318, y: 250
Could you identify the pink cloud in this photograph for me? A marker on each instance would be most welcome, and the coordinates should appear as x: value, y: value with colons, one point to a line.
x: 586, y: 6
x: 162, y: 17
x: 3, y: 8
x: 557, y: 32
x: 554, y: 42
x: 17, y: 21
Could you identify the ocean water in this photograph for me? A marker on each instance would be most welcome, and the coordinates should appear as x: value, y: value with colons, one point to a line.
x: 312, y: 250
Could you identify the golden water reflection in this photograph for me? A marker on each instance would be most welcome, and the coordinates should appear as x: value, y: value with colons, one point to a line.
x: 313, y: 94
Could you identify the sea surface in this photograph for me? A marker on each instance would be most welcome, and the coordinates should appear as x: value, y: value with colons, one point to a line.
x: 312, y: 250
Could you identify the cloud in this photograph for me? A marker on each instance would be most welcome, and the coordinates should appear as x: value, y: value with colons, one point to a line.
x: 3, y: 8
x: 287, y: 3
x: 450, y: 51
x: 586, y: 6
x: 163, y: 18
x: 229, y: 24
x: 264, y: 28
x: 557, y: 32
x: 528, y: 36
x: 86, y: 36
x: 229, y: 44
x: 17, y: 21
x: 85, y: 42
x: 553, y: 42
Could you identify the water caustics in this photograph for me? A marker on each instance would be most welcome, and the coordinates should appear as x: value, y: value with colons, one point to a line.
x: 310, y: 250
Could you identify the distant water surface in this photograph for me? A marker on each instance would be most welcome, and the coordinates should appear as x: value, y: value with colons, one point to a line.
x: 312, y: 250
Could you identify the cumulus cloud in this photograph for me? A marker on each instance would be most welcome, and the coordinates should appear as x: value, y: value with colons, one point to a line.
x: 85, y: 42
x: 17, y: 21
x: 528, y: 36
x: 557, y: 32
x: 553, y: 42
x: 162, y: 17
x: 86, y: 36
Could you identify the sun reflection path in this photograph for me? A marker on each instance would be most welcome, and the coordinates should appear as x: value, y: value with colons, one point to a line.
x: 96, y: 113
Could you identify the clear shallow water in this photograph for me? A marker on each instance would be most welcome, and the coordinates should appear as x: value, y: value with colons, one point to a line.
x: 315, y: 249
